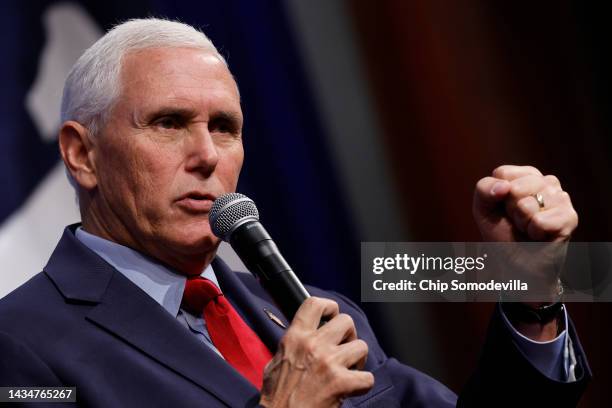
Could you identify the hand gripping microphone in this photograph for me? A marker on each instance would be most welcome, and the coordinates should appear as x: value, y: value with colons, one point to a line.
x: 234, y: 218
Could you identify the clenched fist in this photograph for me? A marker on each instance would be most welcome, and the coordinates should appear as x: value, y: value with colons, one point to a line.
x: 518, y: 203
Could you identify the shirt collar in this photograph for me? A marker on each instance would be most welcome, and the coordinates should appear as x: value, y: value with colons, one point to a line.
x: 157, y: 280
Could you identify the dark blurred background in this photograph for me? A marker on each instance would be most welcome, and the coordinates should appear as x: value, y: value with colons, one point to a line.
x: 365, y: 121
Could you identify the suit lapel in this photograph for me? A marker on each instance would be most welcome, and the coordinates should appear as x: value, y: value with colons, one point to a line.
x: 124, y: 310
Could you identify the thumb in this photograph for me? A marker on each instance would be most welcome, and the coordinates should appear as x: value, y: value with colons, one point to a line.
x: 489, y: 192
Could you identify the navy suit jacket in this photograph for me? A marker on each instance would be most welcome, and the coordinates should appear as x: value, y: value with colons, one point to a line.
x: 82, y: 323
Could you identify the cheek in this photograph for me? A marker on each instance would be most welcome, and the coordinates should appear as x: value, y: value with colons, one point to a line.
x: 155, y: 173
x: 137, y: 177
x: 152, y: 180
x: 229, y: 168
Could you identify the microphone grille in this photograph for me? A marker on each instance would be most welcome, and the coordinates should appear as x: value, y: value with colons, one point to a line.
x: 229, y: 211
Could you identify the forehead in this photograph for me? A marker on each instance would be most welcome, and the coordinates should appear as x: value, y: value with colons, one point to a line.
x: 180, y: 75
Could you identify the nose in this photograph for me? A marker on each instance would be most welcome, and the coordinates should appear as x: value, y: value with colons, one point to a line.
x: 202, y: 153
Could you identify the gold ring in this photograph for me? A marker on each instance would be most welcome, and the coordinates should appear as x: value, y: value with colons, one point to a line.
x: 540, y: 199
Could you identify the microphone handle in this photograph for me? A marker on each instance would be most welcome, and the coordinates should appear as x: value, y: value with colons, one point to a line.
x: 261, y: 256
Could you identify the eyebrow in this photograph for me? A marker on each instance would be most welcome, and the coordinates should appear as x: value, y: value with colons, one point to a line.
x: 227, y: 116
x: 190, y: 113
x: 170, y: 111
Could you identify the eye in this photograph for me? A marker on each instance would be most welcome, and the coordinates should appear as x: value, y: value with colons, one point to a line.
x: 222, y: 125
x: 170, y: 122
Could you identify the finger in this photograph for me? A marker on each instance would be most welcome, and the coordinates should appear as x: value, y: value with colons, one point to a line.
x: 521, y: 211
x: 522, y: 207
x: 512, y: 172
x: 552, y: 180
x: 309, y: 314
x: 358, y: 382
x: 339, y: 329
x: 556, y: 224
x: 563, y: 199
x: 529, y: 186
x: 489, y: 192
x: 352, y: 354
x: 553, y: 197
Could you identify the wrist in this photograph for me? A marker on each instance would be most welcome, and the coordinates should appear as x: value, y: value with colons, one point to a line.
x: 538, y: 323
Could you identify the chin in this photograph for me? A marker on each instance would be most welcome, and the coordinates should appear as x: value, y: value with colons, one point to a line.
x: 197, y: 244
x: 192, y: 238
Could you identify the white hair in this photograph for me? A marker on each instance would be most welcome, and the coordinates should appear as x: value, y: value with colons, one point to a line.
x: 93, y: 84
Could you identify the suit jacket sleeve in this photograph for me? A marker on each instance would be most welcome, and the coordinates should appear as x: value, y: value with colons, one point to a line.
x: 505, y: 377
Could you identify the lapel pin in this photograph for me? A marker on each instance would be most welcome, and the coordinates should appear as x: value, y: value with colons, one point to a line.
x: 275, y: 318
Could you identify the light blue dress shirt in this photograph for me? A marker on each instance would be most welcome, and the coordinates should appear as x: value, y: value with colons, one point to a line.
x: 155, y: 279
x: 554, y: 358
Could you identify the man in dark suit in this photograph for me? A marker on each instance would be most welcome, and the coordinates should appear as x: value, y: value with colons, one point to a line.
x: 134, y: 309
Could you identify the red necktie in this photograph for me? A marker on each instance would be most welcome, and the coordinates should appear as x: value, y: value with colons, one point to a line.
x: 236, y: 342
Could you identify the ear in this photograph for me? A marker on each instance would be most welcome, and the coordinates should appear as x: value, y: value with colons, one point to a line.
x: 78, y: 153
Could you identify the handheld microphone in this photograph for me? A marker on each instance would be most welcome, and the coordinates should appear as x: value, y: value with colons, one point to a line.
x: 234, y: 218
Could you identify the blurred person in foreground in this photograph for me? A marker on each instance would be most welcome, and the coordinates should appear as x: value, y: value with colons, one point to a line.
x: 135, y: 309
